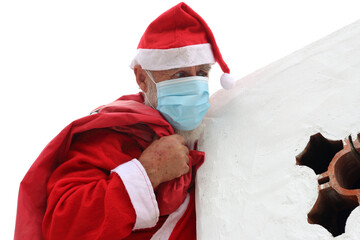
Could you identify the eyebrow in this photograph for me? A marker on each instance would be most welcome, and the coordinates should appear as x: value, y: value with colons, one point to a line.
x: 205, y: 67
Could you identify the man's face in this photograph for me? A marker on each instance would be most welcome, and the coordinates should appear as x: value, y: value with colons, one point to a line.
x: 149, y: 88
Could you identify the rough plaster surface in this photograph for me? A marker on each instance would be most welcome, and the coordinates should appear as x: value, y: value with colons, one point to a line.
x: 250, y: 187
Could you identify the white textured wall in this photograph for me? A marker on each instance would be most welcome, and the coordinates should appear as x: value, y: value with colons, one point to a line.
x: 249, y: 186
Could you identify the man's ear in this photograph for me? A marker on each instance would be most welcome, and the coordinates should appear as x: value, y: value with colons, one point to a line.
x: 140, y: 77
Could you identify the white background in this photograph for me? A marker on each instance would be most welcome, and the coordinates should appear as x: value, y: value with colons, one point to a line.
x: 61, y: 59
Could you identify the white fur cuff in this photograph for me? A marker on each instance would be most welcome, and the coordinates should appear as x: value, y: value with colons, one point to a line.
x: 141, y: 192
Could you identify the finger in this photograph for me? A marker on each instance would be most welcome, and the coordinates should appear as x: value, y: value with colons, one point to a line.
x: 186, y: 170
x: 182, y: 148
x: 187, y: 160
x: 186, y: 150
x: 179, y: 138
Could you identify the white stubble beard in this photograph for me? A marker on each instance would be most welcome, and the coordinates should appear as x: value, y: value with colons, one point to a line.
x: 192, y: 136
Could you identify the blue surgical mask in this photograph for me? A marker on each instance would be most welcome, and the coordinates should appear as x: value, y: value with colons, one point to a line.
x: 183, y: 101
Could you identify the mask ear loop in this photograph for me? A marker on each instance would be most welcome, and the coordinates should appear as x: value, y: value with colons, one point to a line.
x: 152, y: 79
x: 150, y: 76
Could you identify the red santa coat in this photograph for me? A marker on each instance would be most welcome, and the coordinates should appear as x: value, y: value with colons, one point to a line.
x: 82, y: 185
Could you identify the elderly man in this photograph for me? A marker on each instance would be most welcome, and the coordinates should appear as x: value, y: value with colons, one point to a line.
x: 127, y: 170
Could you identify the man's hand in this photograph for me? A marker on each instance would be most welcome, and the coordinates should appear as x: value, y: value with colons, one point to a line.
x: 165, y: 159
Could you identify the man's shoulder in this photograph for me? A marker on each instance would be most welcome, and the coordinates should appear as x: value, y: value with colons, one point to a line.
x: 125, y: 104
x: 99, y: 137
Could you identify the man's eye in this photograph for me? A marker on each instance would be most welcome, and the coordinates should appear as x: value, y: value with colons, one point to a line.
x: 202, y: 74
x: 179, y: 75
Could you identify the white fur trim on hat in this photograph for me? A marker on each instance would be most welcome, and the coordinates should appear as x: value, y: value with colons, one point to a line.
x: 163, y: 59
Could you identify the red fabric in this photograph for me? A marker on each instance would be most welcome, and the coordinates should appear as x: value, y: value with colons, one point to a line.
x: 166, y: 201
x: 186, y: 226
x: 83, y: 195
x: 178, y: 27
x: 85, y: 201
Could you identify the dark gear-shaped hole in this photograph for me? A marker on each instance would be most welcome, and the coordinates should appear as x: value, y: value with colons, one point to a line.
x: 338, y: 178
x: 331, y: 210
x: 318, y: 153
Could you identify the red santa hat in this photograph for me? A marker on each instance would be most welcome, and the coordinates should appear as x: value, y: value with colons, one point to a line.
x: 180, y: 38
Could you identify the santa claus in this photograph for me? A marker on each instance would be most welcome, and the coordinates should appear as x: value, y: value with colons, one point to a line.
x: 127, y: 170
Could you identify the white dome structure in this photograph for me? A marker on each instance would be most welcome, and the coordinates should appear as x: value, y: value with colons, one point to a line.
x: 250, y: 186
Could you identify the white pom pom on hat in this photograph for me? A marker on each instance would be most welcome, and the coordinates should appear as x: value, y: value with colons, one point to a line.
x: 227, y: 81
x: 180, y: 38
